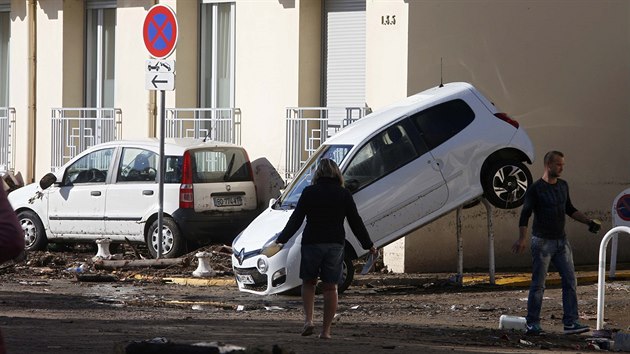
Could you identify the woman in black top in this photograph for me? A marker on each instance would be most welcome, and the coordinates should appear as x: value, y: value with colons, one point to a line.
x: 325, y: 205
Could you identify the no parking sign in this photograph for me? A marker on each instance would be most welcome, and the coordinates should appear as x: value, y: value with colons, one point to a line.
x: 160, y: 31
x: 621, y: 209
x: 160, y: 37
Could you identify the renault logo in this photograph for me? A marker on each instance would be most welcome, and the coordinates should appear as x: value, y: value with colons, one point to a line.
x: 241, y: 256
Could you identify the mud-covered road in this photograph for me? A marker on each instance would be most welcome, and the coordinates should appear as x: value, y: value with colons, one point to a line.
x: 45, y: 309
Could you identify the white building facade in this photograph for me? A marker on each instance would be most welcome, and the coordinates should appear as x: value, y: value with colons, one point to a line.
x: 561, y: 69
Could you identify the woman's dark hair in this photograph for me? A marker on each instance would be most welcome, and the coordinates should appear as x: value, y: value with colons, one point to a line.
x: 328, y: 168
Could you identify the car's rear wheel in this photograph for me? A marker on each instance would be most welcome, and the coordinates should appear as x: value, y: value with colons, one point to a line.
x: 505, y: 183
x: 34, y: 234
x: 173, y: 245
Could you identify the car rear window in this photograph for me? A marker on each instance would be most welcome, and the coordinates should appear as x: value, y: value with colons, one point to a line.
x: 221, y: 165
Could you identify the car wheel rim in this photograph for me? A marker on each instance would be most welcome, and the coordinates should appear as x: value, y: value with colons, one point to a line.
x: 344, y: 273
x: 167, y: 240
x: 30, y: 233
x: 510, y: 183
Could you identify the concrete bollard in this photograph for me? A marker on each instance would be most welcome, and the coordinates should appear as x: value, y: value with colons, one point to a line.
x: 103, y: 249
x: 203, y: 269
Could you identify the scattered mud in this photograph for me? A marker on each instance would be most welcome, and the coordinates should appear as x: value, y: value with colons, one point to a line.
x: 47, y: 309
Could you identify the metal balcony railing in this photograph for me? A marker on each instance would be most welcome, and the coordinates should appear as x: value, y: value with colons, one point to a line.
x: 7, y: 139
x: 219, y: 124
x: 76, y: 129
x: 308, y: 127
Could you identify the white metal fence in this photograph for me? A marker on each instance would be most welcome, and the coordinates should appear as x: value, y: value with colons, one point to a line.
x: 76, y: 129
x: 308, y: 127
x: 7, y: 139
x: 219, y: 124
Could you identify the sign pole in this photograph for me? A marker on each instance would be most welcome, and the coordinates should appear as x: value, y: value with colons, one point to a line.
x: 162, y: 164
x: 160, y: 37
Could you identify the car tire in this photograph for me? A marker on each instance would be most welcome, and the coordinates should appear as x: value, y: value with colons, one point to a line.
x: 505, y: 183
x: 347, y: 275
x: 34, y: 233
x: 173, y: 245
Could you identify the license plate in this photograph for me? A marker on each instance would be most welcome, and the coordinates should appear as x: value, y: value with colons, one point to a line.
x: 245, y: 279
x: 228, y: 201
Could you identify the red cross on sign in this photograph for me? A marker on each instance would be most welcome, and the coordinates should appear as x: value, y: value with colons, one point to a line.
x: 160, y: 31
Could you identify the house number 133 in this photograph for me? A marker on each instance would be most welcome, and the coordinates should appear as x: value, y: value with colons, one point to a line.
x: 388, y: 20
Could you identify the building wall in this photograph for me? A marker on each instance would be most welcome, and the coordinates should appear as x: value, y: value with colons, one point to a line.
x: 267, y: 49
x: 136, y: 102
x: 562, y: 71
x: 18, y: 89
x: 50, y: 76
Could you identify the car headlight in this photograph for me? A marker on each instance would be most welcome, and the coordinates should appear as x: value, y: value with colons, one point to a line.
x: 262, y: 265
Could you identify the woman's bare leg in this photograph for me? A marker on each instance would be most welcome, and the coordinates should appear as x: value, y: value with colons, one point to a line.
x: 330, y: 308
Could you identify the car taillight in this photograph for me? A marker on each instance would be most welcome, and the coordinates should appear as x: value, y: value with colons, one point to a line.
x: 504, y: 117
x: 186, y: 195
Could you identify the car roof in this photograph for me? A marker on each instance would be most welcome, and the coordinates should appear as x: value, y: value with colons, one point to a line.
x: 373, y: 122
x: 172, y: 146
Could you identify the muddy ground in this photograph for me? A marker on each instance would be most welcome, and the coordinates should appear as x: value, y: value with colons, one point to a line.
x: 46, y: 308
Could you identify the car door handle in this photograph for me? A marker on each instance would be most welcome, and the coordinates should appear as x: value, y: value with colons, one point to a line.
x: 147, y: 192
x: 95, y: 193
x: 436, y: 164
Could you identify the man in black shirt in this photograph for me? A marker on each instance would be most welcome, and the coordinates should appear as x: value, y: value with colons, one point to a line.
x: 548, y: 199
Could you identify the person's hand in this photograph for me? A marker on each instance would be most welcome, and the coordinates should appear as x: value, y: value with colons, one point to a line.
x: 518, y: 246
x: 272, y: 249
x: 594, y: 226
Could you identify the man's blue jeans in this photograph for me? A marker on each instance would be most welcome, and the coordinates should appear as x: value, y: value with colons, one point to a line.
x: 558, y: 252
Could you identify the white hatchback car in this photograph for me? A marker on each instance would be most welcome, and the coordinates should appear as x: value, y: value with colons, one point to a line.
x: 111, y: 190
x: 406, y: 165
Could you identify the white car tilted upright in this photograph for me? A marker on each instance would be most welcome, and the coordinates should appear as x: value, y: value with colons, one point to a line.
x: 406, y: 165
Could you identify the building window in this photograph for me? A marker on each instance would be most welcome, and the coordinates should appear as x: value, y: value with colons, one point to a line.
x: 217, y: 55
x: 100, y: 41
x: 5, y: 28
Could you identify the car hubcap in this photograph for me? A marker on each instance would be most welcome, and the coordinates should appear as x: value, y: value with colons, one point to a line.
x: 510, y: 183
x: 167, y: 240
x: 30, y: 233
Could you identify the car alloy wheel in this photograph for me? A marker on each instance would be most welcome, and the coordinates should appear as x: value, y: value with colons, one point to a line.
x: 505, y: 184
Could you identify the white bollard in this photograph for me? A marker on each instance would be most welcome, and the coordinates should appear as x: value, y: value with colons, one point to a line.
x: 512, y: 322
x: 103, y: 249
x: 601, y: 277
x: 203, y: 269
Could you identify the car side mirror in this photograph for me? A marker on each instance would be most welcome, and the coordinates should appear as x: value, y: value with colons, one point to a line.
x: 272, y: 201
x: 352, y: 184
x: 48, y: 180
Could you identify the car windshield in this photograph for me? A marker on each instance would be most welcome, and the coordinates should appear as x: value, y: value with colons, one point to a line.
x: 290, y: 197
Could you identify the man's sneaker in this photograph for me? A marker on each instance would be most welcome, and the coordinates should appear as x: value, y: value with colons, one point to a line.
x: 534, y: 330
x: 576, y: 328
